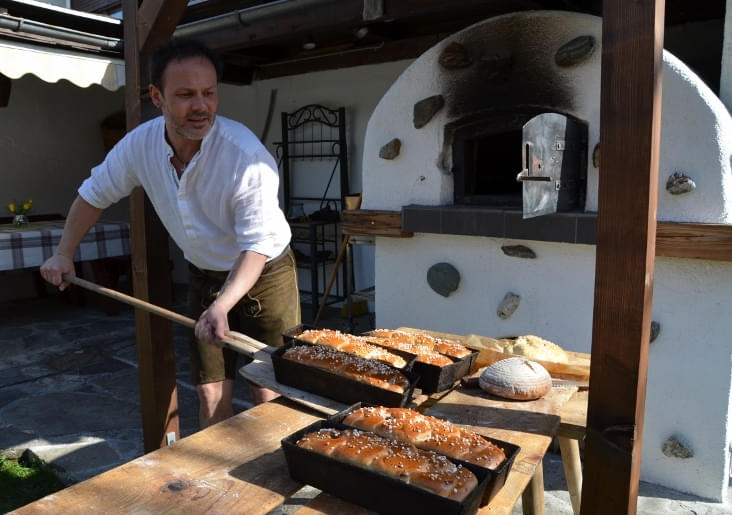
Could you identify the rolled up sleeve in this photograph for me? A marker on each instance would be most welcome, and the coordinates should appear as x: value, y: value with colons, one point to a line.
x: 260, y: 223
x: 109, y: 181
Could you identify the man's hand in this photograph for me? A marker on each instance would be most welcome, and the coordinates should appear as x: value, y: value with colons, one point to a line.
x: 55, y: 267
x: 213, y: 324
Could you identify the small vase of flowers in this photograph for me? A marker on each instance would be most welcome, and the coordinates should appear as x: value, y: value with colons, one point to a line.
x: 19, y: 210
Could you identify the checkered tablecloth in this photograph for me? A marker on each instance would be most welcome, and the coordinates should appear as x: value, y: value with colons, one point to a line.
x: 29, y: 246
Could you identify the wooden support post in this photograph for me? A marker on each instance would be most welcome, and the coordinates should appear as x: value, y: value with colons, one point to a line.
x: 150, y: 270
x: 630, y: 117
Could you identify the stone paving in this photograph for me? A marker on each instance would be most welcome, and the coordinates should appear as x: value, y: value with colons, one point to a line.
x: 69, y: 392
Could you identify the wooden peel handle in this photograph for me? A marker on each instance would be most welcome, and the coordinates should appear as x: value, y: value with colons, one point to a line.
x: 237, y: 341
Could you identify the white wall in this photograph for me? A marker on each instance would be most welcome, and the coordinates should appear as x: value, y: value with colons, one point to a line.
x: 49, y: 139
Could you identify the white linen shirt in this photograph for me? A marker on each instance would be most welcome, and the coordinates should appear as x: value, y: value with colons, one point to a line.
x: 225, y: 202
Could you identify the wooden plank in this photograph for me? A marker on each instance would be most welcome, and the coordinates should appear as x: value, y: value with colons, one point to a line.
x: 235, y: 466
x: 630, y: 129
x: 150, y: 278
x: 498, y: 412
x: 373, y: 222
x: 694, y: 241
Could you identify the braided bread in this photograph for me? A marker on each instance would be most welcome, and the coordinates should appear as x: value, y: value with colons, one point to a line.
x: 423, y: 469
x: 427, y: 432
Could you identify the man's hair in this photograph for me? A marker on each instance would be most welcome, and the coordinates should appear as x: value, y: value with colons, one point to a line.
x: 177, y: 49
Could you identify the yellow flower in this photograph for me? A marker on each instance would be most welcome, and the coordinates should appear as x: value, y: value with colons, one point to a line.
x: 27, y: 205
x: 11, y: 207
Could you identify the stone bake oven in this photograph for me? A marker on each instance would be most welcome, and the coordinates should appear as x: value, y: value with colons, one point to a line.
x: 518, y: 96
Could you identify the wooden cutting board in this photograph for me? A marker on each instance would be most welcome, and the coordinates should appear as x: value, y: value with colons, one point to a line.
x: 474, y: 407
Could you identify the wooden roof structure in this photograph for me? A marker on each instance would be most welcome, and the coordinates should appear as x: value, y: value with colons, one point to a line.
x: 263, y: 39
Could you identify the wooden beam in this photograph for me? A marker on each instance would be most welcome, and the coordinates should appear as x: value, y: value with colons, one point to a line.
x: 156, y: 22
x: 150, y: 275
x: 694, y: 241
x: 354, y: 56
x: 630, y: 115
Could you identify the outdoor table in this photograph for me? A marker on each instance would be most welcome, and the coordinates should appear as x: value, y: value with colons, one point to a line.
x: 237, y: 466
x: 29, y: 245
x: 26, y: 247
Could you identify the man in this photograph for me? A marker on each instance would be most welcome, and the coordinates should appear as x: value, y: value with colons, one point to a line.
x: 214, y: 187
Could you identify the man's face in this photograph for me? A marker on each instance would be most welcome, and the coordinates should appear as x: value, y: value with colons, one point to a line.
x: 189, y: 97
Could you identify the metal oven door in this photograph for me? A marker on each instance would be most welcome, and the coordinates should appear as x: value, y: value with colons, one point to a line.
x: 554, y: 162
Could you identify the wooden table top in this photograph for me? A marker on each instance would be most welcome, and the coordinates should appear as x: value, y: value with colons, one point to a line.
x: 530, y: 425
x: 235, y: 466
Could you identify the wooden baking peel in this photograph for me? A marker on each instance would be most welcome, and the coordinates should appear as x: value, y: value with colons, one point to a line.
x: 234, y: 340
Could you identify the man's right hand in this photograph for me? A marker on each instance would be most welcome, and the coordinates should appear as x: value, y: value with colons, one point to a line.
x: 55, y: 267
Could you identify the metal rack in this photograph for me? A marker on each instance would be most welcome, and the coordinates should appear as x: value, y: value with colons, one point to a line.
x: 313, y: 157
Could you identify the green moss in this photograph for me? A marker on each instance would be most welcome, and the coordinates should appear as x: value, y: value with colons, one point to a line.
x: 25, y: 480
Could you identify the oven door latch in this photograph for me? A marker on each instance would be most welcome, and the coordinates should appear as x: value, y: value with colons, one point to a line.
x: 531, y: 161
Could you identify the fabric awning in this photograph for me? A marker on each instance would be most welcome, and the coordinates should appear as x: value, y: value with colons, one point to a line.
x: 52, y: 65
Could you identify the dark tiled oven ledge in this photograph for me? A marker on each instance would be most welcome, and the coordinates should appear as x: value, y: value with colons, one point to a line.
x: 465, y: 220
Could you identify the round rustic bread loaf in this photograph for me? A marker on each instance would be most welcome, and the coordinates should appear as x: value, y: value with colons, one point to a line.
x: 516, y: 378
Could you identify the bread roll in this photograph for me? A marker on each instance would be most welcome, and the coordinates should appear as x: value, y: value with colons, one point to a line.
x: 370, y: 372
x: 427, y: 432
x: 399, y: 460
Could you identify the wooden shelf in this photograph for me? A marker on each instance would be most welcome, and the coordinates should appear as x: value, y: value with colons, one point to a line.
x: 375, y: 223
x: 673, y: 239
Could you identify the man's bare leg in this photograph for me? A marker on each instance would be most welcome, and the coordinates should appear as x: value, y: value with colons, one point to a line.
x: 214, y: 402
x: 260, y: 395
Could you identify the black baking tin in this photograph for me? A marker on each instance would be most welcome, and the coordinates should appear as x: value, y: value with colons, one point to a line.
x: 334, y: 386
x: 371, y: 489
x: 434, y: 379
x: 497, y: 476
